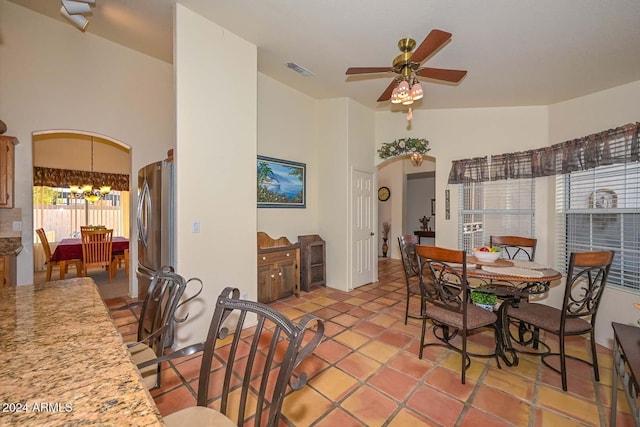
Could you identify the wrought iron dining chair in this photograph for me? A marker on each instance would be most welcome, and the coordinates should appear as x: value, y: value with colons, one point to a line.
x: 157, y: 320
x: 97, y: 250
x: 408, y: 244
x: 515, y: 247
x: 447, y: 303
x: 48, y: 255
x: 247, y: 371
x: 586, y: 278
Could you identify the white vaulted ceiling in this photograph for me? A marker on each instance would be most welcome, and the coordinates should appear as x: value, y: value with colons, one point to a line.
x: 528, y: 52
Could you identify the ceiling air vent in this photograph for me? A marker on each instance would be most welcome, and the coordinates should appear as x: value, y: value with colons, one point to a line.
x: 298, y: 69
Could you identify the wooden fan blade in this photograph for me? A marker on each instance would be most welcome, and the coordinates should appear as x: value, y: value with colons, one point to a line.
x: 386, y: 95
x: 453, y: 76
x: 431, y: 43
x: 368, y: 70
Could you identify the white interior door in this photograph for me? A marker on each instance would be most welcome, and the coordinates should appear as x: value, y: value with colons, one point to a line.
x: 363, y: 254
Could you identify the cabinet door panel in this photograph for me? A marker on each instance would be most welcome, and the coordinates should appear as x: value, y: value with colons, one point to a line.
x: 266, y: 284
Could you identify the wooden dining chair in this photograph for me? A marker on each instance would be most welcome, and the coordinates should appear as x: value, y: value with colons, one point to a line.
x: 97, y: 250
x: 586, y: 278
x: 443, y: 280
x: 118, y: 259
x: 515, y: 247
x: 48, y: 255
x: 245, y: 373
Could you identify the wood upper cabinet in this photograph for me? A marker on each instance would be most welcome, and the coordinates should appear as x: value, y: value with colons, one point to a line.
x: 7, y: 161
x: 278, y: 268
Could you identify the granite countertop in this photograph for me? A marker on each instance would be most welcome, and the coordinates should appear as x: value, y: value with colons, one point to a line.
x: 63, y: 362
x: 10, y: 246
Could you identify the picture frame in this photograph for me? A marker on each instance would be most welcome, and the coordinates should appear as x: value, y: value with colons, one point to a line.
x: 433, y: 207
x: 281, y: 183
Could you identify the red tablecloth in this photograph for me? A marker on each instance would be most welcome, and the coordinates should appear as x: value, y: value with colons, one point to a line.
x: 69, y: 249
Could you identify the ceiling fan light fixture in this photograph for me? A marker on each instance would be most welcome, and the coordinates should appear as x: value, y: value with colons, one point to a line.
x: 394, y: 96
x: 416, y: 91
x: 403, y: 90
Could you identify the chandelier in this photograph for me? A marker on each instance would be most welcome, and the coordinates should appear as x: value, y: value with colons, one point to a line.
x: 87, y: 191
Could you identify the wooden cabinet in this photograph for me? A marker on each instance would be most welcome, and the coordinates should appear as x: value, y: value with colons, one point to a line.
x: 313, y: 271
x: 7, y: 271
x: 7, y: 160
x: 278, y: 268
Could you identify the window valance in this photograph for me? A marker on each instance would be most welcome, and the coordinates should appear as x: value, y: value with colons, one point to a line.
x: 51, y: 177
x: 619, y: 145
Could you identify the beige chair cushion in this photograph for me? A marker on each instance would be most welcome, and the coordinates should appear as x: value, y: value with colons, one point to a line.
x: 197, y: 416
x: 141, y: 353
x: 476, y: 316
x: 547, y: 318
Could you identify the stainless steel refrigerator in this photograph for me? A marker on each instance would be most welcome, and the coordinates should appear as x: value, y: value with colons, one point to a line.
x: 155, y: 221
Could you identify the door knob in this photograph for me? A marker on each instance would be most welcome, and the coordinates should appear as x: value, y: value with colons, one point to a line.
x: 372, y: 233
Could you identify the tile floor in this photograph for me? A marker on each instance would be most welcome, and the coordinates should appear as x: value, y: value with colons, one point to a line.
x: 367, y: 372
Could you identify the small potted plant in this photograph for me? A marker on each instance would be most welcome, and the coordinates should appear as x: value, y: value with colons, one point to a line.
x: 484, y: 299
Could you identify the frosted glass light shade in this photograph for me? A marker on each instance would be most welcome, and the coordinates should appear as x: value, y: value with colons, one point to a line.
x: 76, y: 7
x: 78, y: 20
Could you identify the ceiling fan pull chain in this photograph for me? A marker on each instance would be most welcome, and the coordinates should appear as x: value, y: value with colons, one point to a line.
x: 409, y: 115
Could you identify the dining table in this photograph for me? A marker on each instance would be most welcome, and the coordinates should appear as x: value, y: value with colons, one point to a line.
x: 511, y: 281
x: 71, y: 250
x: 63, y: 361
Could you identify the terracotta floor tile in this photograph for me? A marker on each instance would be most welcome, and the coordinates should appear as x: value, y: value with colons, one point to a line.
x: 507, y: 381
x: 359, y: 366
x: 351, y: 339
x: 378, y: 351
x: 502, y: 405
x: 566, y: 403
x: 409, y: 364
x: 394, y: 383
x: 448, y: 381
x: 305, y: 406
x: 174, y: 400
x: 548, y: 418
x: 407, y: 418
x: 345, y: 319
x: 334, y: 383
x: 338, y: 417
x: 435, y: 405
x: 370, y: 406
x: 367, y: 328
x: 477, y: 418
x: 332, y: 351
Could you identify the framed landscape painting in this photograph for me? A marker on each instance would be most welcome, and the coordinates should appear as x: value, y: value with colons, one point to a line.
x: 281, y: 183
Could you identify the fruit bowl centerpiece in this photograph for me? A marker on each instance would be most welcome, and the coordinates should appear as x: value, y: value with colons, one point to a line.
x: 487, y: 253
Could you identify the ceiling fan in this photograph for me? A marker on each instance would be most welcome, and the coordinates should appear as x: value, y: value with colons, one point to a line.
x: 405, y: 88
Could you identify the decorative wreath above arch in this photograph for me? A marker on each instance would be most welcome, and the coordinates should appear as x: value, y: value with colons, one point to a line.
x: 403, y: 146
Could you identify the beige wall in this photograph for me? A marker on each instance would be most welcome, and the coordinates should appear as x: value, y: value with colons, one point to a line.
x: 287, y: 130
x: 53, y: 151
x: 215, y: 164
x: 53, y: 77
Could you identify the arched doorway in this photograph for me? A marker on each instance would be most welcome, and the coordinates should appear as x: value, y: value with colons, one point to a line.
x: 60, y: 158
x: 412, y: 188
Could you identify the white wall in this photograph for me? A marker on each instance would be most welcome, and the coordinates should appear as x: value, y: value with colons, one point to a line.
x: 287, y: 130
x: 216, y: 123
x: 53, y: 76
x: 581, y: 117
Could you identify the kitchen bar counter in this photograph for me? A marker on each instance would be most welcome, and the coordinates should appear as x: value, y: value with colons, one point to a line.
x: 63, y: 362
